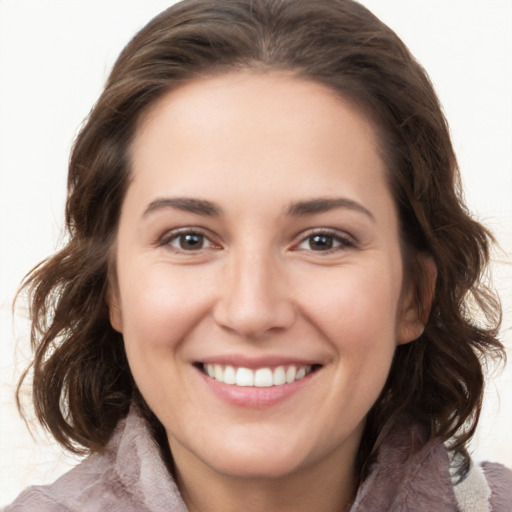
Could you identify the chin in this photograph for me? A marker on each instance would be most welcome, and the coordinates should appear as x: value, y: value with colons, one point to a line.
x: 261, y: 456
x: 258, y: 466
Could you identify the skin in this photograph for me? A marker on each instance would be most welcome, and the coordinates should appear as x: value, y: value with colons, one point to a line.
x: 258, y: 286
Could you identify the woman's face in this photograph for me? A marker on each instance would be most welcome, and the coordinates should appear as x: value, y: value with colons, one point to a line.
x: 260, y: 282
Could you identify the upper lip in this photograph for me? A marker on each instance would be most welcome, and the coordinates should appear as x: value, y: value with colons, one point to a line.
x: 241, y: 361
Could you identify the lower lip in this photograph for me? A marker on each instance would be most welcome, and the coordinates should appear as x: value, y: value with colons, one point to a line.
x: 254, y: 397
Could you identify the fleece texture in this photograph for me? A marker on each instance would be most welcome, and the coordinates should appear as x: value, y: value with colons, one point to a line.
x: 500, y: 483
x: 130, y: 476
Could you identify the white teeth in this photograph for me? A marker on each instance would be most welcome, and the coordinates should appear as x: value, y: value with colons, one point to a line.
x: 262, y: 377
x: 244, y: 377
x: 279, y: 376
x: 217, y: 372
x: 301, y: 373
x: 290, y: 374
x: 229, y: 375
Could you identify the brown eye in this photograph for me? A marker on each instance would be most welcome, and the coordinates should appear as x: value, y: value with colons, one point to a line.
x: 321, y: 242
x: 191, y: 241
x: 326, y: 242
x: 188, y: 241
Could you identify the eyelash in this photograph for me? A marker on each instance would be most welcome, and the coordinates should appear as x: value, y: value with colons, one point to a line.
x: 338, y: 241
x: 342, y: 241
x: 174, y: 236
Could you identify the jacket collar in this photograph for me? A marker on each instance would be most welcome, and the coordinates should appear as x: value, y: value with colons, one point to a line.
x: 407, y: 476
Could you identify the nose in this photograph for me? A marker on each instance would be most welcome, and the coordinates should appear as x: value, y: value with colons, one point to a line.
x: 255, y: 298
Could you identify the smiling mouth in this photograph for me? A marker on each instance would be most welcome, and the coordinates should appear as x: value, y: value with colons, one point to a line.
x: 260, y: 377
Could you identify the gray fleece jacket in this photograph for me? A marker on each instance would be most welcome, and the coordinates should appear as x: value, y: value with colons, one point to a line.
x: 132, y: 477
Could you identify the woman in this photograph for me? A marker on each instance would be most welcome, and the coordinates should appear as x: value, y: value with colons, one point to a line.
x: 264, y: 298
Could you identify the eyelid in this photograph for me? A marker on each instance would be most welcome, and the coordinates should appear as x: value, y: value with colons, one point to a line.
x: 166, y: 239
x: 345, y: 240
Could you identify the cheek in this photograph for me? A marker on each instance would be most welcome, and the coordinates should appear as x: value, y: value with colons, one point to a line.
x: 160, y: 305
x: 160, y: 308
x: 357, y: 306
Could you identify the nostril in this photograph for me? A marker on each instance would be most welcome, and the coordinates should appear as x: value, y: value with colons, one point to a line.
x: 254, y: 319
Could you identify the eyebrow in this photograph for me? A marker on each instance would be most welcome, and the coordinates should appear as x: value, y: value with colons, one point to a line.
x: 322, y: 205
x: 296, y: 209
x: 186, y: 204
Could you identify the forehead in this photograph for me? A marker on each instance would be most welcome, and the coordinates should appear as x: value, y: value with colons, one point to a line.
x: 258, y: 132
x: 253, y: 98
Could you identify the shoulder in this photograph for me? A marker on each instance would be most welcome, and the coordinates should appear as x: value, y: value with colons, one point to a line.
x: 487, y: 487
x: 405, y: 475
x: 32, y: 499
x: 413, y: 475
x: 84, y: 488
x: 499, y: 479
x: 130, y: 476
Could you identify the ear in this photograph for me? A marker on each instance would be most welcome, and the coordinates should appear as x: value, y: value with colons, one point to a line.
x: 114, y: 308
x: 416, y: 300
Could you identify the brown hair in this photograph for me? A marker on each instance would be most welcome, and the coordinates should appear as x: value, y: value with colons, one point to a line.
x: 82, y: 385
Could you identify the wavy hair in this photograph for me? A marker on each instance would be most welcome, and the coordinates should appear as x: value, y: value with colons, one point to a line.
x: 81, y: 381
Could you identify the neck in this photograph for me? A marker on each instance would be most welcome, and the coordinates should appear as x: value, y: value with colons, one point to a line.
x: 328, y: 486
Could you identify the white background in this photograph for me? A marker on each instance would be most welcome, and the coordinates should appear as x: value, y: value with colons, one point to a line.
x: 54, y: 58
